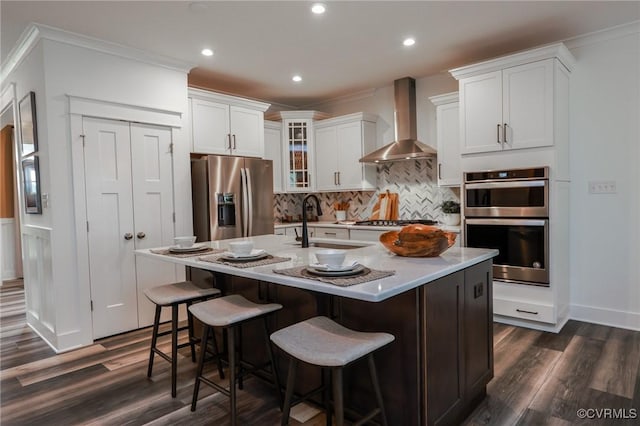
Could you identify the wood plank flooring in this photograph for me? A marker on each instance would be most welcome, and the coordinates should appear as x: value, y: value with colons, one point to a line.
x: 540, y: 379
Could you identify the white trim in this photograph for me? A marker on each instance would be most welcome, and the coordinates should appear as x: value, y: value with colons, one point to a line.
x: 35, y: 32
x: 275, y: 125
x: 208, y: 95
x: 604, y: 316
x: 35, y: 330
x: 119, y: 111
x: 298, y: 115
x: 349, y: 118
x: 557, y: 50
x: 445, y: 98
x: 603, y: 35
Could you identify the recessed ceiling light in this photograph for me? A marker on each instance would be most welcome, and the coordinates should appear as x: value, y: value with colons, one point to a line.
x: 207, y: 52
x: 296, y: 78
x: 409, y: 41
x: 318, y: 8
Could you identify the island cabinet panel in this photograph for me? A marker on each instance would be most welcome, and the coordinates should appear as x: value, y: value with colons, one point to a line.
x: 478, y: 330
x: 443, y: 314
x: 398, y: 364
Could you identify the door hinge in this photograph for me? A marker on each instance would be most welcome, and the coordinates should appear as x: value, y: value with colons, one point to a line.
x: 174, y: 217
x: 91, y: 303
x: 82, y: 136
x: 171, y: 148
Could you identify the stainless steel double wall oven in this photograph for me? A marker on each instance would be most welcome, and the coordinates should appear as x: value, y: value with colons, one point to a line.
x: 508, y: 210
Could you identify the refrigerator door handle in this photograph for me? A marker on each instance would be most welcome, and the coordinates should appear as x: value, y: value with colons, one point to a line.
x: 245, y: 202
x: 250, y: 198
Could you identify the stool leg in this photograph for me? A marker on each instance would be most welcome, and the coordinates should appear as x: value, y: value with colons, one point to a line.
x: 376, y: 388
x: 196, y: 385
x: 274, y: 369
x: 191, y: 338
x: 154, y: 339
x: 232, y: 374
x: 291, y: 381
x: 240, y: 371
x: 336, y: 378
x: 174, y: 348
x: 217, y: 353
x: 326, y: 390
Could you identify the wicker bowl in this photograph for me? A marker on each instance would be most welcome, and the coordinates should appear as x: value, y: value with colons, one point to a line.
x: 418, y: 241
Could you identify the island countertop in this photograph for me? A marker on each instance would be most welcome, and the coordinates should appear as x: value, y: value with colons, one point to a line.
x: 410, y: 272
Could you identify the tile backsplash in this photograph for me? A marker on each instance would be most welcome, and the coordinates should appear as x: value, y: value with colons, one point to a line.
x: 414, y: 181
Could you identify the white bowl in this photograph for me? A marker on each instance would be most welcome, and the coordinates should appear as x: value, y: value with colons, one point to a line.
x: 184, y: 242
x: 241, y: 248
x: 331, y: 257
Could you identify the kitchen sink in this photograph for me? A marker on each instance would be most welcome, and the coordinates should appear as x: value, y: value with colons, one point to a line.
x: 328, y: 245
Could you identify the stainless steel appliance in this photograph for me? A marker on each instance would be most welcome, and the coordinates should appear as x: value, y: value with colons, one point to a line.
x: 508, y: 210
x: 232, y: 197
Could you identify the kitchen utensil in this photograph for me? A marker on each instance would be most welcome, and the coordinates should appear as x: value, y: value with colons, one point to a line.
x: 386, y: 208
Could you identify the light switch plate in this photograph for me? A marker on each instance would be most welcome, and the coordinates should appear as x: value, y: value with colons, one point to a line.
x: 602, y: 187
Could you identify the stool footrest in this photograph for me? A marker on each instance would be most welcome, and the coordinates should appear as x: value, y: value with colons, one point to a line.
x: 368, y: 417
x: 216, y: 386
x: 161, y: 354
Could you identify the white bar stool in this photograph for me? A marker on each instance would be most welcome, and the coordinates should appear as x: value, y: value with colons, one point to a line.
x: 174, y: 295
x: 230, y: 312
x: 322, y: 342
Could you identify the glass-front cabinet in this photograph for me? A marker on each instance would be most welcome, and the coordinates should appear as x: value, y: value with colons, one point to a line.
x: 298, y: 152
x: 298, y: 148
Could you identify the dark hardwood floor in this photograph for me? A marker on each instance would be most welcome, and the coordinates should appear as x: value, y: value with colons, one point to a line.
x: 540, y: 379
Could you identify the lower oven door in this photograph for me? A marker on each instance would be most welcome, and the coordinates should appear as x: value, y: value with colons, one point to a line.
x: 523, y: 246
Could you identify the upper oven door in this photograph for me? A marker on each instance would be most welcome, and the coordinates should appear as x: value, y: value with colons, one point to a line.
x: 519, y: 198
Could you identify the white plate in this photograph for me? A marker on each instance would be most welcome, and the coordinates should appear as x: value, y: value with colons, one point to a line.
x: 323, y: 273
x: 255, y: 255
x: 192, y: 249
x: 341, y: 268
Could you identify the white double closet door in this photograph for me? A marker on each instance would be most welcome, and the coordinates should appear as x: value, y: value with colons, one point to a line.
x: 129, y: 197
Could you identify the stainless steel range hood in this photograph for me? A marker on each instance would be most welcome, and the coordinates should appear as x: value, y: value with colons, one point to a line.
x: 407, y: 146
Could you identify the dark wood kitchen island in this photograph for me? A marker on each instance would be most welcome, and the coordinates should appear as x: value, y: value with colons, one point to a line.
x: 439, y: 309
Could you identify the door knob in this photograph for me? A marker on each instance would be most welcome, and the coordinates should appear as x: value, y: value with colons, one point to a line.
x: 128, y: 236
x: 141, y: 235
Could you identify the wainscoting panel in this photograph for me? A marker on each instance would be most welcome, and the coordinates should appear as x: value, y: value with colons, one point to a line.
x: 38, y: 277
x: 7, y: 249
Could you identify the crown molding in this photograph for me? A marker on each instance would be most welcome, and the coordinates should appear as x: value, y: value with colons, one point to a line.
x: 445, y: 98
x: 603, y: 35
x: 36, y: 32
x: 557, y: 50
x: 208, y: 95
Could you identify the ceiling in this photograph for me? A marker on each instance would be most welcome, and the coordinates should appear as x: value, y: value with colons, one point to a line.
x: 354, y: 46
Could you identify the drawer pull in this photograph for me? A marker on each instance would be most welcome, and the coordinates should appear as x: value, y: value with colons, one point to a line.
x: 526, y: 312
x: 330, y: 233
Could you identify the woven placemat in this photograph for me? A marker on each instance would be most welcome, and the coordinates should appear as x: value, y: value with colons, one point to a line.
x: 367, y: 275
x: 166, y: 252
x: 248, y: 264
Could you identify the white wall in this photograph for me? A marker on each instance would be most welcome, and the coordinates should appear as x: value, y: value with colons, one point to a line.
x: 605, y: 145
x: 54, y: 70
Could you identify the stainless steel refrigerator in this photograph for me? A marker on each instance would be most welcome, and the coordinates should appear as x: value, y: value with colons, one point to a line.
x: 232, y: 197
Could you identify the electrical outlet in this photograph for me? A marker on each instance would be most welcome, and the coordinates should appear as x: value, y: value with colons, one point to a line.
x: 602, y: 187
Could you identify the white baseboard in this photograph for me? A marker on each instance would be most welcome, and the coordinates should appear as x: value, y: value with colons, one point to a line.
x: 552, y: 328
x: 610, y: 317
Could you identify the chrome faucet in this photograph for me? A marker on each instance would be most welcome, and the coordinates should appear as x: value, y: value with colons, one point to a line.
x: 305, y: 231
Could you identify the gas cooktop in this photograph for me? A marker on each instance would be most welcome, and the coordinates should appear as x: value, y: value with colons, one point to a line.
x: 382, y: 222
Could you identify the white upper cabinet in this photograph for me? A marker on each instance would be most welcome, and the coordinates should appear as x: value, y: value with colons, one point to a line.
x: 273, y: 151
x: 448, y: 135
x: 222, y: 124
x: 339, y: 144
x: 511, y: 102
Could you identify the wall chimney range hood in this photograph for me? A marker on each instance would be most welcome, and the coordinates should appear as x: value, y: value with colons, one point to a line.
x: 407, y: 146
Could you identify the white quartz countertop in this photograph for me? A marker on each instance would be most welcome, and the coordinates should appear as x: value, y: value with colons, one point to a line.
x: 326, y: 224
x: 410, y: 272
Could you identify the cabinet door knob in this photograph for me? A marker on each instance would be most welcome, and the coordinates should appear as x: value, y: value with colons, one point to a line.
x: 141, y: 235
x: 128, y: 236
